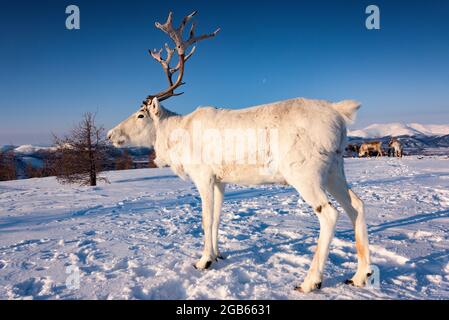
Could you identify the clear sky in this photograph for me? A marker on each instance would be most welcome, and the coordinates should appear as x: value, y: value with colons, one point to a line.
x: 266, y: 51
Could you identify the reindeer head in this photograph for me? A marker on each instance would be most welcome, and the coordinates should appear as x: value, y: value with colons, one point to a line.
x: 139, y: 128
x: 392, y: 140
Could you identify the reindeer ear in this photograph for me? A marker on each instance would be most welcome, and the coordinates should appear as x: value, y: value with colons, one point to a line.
x: 155, y: 108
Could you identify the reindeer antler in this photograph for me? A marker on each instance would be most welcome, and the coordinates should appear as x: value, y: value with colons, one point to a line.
x: 180, y: 47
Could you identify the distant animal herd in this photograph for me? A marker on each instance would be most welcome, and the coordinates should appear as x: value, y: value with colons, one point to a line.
x: 375, y: 149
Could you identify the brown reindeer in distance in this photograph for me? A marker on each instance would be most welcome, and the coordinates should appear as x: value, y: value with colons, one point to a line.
x: 352, y: 150
x: 396, y: 145
x: 366, y: 147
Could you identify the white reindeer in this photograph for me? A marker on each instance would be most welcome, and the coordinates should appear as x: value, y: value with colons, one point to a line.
x: 306, y: 140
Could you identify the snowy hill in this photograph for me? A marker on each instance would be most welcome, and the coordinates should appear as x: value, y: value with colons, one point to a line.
x: 399, y: 129
x: 417, y: 139
x: 137, y: 237
x: 416, y: 145
x: 35, y: 156
x: 30, y: 150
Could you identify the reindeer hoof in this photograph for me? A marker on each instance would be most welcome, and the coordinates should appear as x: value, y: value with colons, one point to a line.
x: 219, y: 257
x: 358, y: 283
x: 349, y: 282
x: 316, y: 286
x: 200, y: 267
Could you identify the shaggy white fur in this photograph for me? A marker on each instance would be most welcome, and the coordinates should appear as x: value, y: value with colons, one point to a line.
x: 299, y: 142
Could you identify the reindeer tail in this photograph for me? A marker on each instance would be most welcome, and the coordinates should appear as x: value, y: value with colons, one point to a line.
x: 347, y: 109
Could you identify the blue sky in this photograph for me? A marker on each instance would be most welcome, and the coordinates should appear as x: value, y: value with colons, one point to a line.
x: 266, y: 51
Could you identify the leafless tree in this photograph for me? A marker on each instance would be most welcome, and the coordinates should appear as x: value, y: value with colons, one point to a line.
x: 80, y: 156
x: 7, y: 166
x: 33, y: 172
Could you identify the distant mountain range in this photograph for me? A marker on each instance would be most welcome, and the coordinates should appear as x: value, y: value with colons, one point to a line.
x: 30, y: 150
x: 399, y: 129
x: 417, y: 139
x: 35, y: 156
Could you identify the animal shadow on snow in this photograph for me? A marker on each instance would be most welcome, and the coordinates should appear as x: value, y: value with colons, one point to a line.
x: 147, y: 178
x: 421, y: 266
x: 397, y: 180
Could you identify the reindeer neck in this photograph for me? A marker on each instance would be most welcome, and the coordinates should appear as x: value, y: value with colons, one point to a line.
x: 166, y: 119
x: 165, y: 113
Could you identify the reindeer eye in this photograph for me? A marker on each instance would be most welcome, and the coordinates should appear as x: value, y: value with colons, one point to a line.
x: 140, y: 116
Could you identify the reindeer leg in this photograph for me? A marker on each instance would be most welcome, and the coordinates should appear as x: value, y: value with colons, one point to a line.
x: 218, y: 201
x: 337, y: 186
x: 327, y: 216
x: 313, y: 193
x: 206, y: 189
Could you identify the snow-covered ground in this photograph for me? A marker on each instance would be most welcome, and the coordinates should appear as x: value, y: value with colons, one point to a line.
x: 137, y: 237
